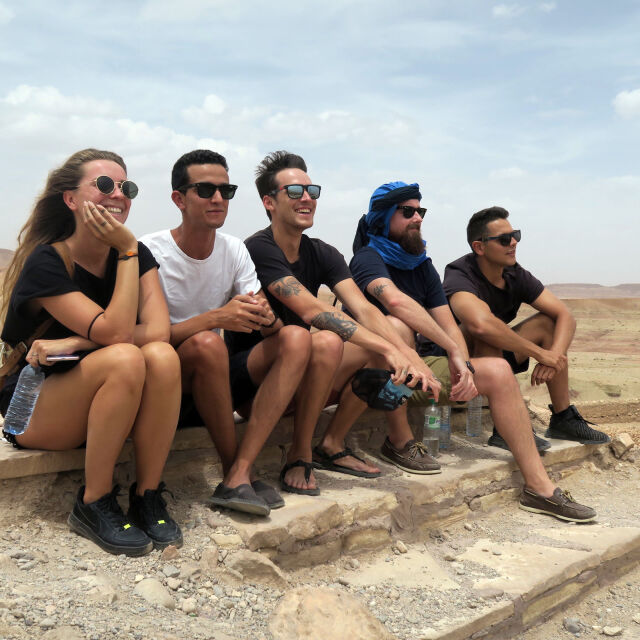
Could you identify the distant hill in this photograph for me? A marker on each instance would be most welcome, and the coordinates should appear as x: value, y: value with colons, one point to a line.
x: 582, y: 290
x: 5, y: 258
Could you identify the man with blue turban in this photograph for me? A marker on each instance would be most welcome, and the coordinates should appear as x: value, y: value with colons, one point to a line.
x: 391, y: 267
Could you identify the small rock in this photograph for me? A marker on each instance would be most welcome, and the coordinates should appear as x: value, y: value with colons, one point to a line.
x: 47, y: 623
x: 428, y: 634
x: 353, y: 564
x: 189, y: 605
x: 401, y: 546
x: 209, y: 559
x: 497, y: 552
x: 104, y: 593
x: 227, y: 541
x: 572, y: 625
x: 620, y: 444
x: 189, y: 570
x: 488, y: 593
x: 343, y: 581
x: 636, y: 618
x: 169, y: 553
x: 612, y: 631
x: 170, y: 571
x: 468, y: 526
x: 215, y: 520
x: 460, y: 571
x: 63, y: 633
x: 174, y: 583
x: 153, y: 592
x: 450, y: 557
x: 139, y: 578
x: 256, y: 567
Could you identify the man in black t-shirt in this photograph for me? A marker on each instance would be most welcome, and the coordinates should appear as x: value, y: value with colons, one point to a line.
x: 485, y: 290
x: 291, y: 267
x: 391, y: 266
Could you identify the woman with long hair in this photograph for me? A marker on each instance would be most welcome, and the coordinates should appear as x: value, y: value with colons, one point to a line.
x: 108, y: 307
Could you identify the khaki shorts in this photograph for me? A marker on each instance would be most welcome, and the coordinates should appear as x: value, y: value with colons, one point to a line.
x: 440, y: 367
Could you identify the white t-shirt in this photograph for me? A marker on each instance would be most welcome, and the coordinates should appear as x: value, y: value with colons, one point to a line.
x: 192, y: 286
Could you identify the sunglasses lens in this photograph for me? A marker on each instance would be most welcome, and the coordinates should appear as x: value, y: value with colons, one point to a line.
x: 129, y: 189
x: 105, y: 184
x: 295, y: 191
x: 205, y: 189
x: 314, y: 191
x: 227, y: 191
x: 517, y: 235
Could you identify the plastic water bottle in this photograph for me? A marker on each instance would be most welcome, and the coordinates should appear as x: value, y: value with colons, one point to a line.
x: 445, y: 427
x: 23, y: 400
x: 474, y: 417
x: 431, y: 432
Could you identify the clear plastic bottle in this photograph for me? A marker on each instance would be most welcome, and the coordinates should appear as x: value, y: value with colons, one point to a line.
x: 445, y: 427
x: 474, y: 417
x: 23, y: 400
x: 431, y: 432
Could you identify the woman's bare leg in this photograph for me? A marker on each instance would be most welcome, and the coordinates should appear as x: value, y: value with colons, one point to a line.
x: 96, y: 401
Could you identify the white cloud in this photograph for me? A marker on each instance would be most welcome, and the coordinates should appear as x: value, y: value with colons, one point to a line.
x: 506, y: 174
x: 547, y: 7
x: 507, y: 10
x: 6, y: 15
x: 627, y: 103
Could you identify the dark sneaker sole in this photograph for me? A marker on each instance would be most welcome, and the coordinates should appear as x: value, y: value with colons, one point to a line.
x: 178, y: 542
x: 555, y: 515
x: 541, y: 445
x: 560, y: 435
x: 81, y: 529
x: 428, y: 472
x: 240, y: 505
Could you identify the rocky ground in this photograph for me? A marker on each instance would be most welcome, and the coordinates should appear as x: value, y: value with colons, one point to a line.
x: 57, y: 585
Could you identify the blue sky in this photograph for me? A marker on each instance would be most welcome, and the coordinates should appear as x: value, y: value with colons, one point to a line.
x: 534, y: 106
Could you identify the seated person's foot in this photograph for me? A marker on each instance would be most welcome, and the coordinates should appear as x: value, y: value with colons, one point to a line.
x: 570, y: 425
x: 149, y: 513
x: 496, y: 440
x: 343, y: 461
x: 265, y: 491
x: 240, y: 498
x: 104, y: 523
x: 560, y: 505
x: 412, y: 457
x: 297, y: 477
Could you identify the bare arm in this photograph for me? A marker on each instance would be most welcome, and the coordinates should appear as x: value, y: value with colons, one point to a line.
x: 153, y: 314
x: 437, y: 324
x: 321, y: 315
x: 477, y: 318
x: 565, y: 324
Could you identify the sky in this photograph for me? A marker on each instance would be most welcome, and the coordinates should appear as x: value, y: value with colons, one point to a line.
x: 533, y: 106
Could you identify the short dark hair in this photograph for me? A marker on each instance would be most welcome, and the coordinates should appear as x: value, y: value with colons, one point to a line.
x: 477, y: 227
x: 179, y: 175
x: 270, y: 165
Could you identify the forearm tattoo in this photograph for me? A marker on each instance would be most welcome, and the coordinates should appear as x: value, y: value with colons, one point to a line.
x: 287, y: 287
x: 336, y: 322
x: 377, y: 290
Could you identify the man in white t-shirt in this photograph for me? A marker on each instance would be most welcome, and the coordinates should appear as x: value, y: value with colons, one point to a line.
x: 210, y: 284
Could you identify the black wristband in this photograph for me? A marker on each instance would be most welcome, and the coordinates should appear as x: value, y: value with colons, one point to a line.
x: 128, y: 256
x: 470, y: 366
x: 268, y: 326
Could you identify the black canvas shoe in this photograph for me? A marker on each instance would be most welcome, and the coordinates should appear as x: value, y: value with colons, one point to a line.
x: 496, y: 440
x: 570, y: 425
x: 104, y: 523
x: 149, y: 513
x: 560, y: 505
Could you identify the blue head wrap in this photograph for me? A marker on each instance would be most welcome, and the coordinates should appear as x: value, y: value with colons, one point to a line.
x: 373, y: 228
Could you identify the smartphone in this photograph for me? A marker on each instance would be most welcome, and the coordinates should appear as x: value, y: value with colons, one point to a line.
x: 63, y: 357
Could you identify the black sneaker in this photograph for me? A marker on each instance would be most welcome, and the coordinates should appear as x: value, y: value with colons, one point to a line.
x: 149, y: 513
x: 570, y: 425
x: 496, y: 440
x: 104, y: 523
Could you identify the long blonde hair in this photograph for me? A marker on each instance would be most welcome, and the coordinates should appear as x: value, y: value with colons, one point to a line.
x: 51, y: 220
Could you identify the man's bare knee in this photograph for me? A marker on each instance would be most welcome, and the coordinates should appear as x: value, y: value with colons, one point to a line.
x: 326, y: 346
x: 204, y: 352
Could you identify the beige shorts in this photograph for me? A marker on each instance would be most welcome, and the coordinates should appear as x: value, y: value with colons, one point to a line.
x: 440, y: 367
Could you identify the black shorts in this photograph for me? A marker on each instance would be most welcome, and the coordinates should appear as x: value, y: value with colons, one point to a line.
x: 516, y: 367
x: 243, y: 390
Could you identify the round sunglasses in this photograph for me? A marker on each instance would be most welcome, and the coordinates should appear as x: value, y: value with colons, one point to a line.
x: 295, y: 191
x: 207, y: 190
x: 107, y: 185
x: 505, y: 238
x: 408, y: 211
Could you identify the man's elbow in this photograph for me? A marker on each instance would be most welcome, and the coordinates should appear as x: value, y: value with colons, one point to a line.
x: 477, y: 327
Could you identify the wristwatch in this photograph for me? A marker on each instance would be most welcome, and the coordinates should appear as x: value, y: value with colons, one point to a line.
x: 470, y: 366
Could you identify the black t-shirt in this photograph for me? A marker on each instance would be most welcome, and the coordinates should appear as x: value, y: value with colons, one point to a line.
x: 422, y: 283
x: 45, y: 275
x: 318, y: 263
x: 520, y: 286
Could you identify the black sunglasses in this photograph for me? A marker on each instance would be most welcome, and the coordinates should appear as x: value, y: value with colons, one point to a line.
x: 295, y: 191
x: 107, y: 185
x: 408, y: 211
x: 207, y: 189
x: 505, y: 238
